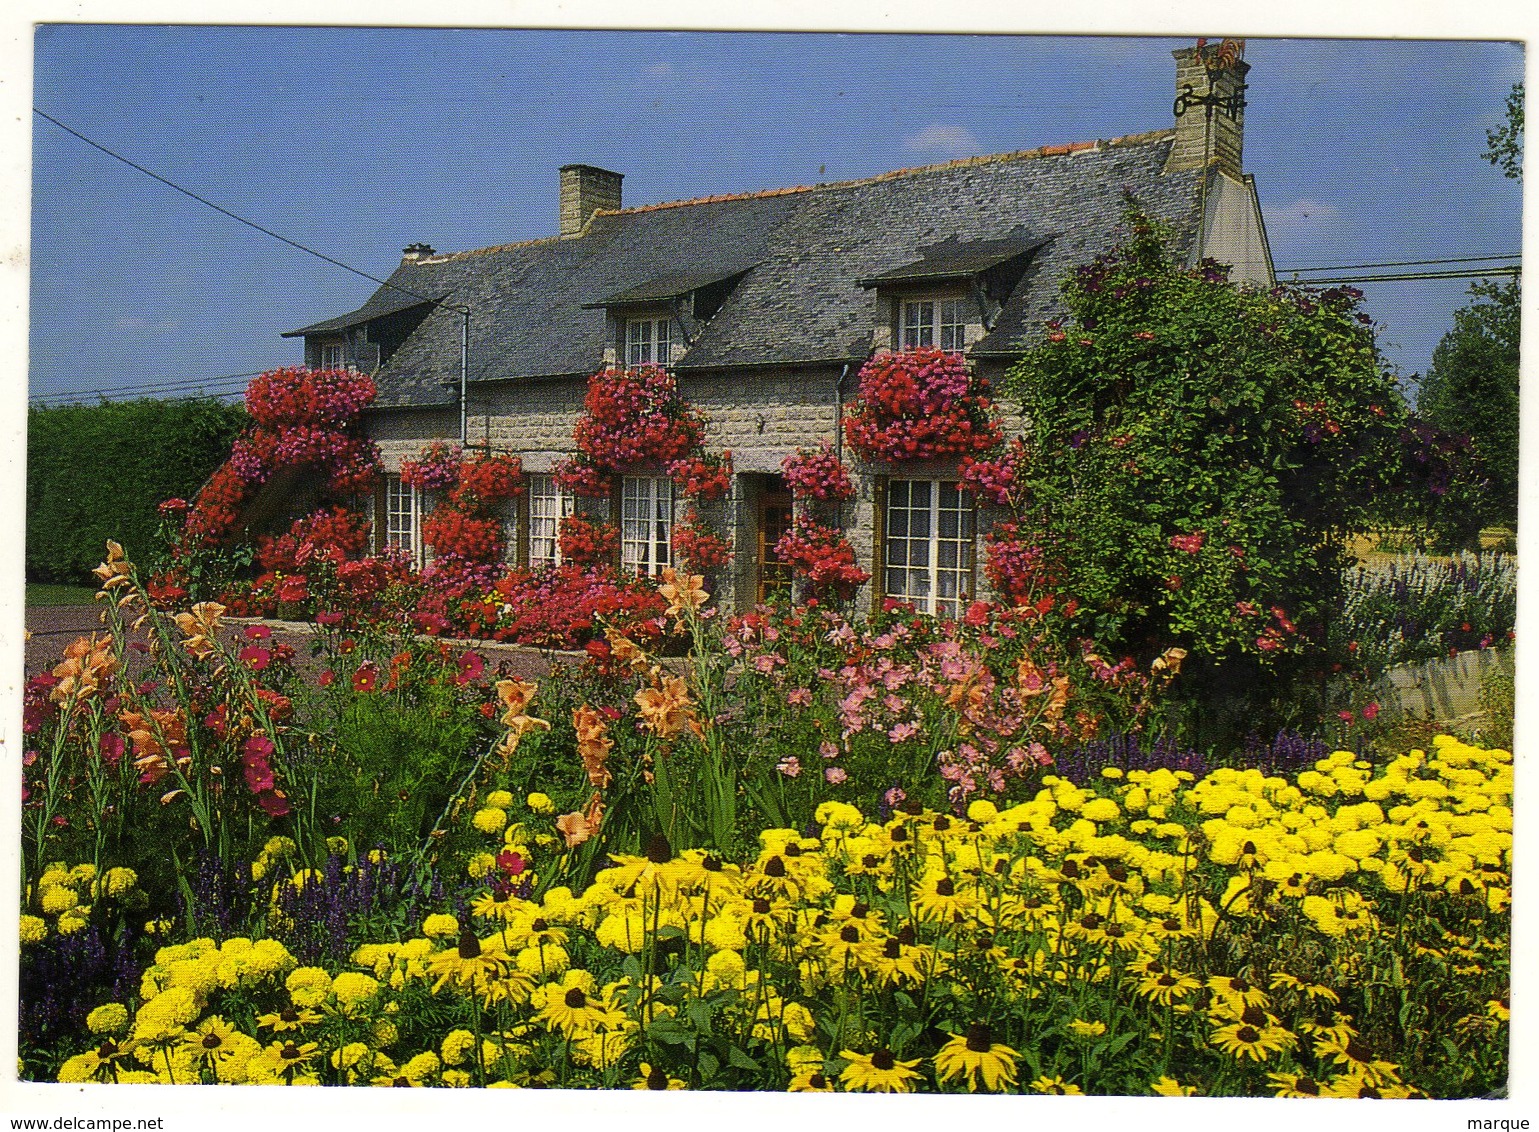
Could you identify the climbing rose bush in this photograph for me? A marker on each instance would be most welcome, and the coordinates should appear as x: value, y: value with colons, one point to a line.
x: 818, y: 475
x: 920, y: 404
x: 823, y: 557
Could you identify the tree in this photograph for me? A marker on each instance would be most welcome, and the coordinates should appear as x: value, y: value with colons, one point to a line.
x: 1199, y: 453
x: 1472, y: 389
x: 1504, y: 145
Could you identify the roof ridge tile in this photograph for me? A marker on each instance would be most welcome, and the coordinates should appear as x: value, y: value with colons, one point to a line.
x: 1148, y: 137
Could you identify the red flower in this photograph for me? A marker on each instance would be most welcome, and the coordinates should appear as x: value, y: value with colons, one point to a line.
x: 1191, y: 543
x: 1371, y: 711
x: 295, y: 588
x: 977, y: 614
x: 366, y: 677
x: 255, y: 657
x: 324, y: 680
x: 511, y: 863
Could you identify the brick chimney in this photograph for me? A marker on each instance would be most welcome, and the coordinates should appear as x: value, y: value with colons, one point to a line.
x: 1209, y: 134
x: 415, y: 253
x: 584, y: 190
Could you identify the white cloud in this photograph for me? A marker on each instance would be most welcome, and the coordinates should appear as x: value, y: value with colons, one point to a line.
x: 946, y: 141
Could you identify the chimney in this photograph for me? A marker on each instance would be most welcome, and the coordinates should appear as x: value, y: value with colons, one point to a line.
x: 1210, y: 108
x: 584, y: 190
x: 415, y: 253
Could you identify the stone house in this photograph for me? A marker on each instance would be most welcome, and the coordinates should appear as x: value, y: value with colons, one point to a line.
x: 764, y: 305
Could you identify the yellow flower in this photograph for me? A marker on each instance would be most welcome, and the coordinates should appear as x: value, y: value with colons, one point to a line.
x: 976, y: 1057
x: 354, y: 989
x: 33, y: 929
x: 1170, y: 1087
x: 878, y: 1072
x: 540, y: 803
x: 119, y: 881
x: 656, y: 1078
x: 440, y: 926
x: 490, y: 820
x: 1056, y: 1086
x: 1100, y: 809
x: 109, y: 1019
x: 1082, y: 1029
x: 308, y: 986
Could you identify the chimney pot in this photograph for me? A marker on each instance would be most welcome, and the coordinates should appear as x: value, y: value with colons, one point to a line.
x: 412, y: 253
x: 584, y: 190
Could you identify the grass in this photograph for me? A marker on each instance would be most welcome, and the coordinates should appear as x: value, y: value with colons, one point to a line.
x: 38, y: 595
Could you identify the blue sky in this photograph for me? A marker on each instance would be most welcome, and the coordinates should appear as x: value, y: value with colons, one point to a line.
x: 360, y: 141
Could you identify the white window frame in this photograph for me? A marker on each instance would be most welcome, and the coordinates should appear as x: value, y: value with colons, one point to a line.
x: 326, y: 350
x: 936, y: 571
x: 932, y: 321
x: 646, y: 524
x: 548, y: 505
x: 403, y: 518
x: 648, y: 341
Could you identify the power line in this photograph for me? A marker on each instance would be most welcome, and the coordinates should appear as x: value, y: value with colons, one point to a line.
x: 1401, y: 263
x: 463, y: 310
x: 232, y: 215
x: 144, y: 388
x: 1395, y: 277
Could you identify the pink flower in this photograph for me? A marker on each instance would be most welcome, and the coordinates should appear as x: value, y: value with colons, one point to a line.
x: 328, y: 618
x: 1371, y: 711
x: 799, y: 697
x: 835, y: 775
x: 258, y: 632
x: 903, y: 731
x: 470, y: 668
x: 894, y: 795
x: 790, y: 766
x: 828, y: 750
x: 765, y: 663
x: 255, y: 657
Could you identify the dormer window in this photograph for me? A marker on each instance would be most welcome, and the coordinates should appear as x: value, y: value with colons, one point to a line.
x: 935, y: 322
x: 331, y: 355
x: 647, y: 342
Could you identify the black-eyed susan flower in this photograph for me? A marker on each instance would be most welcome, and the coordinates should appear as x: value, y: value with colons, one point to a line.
x: 810, y: 1081
x: 1166, y: 987
x: 1170, y: 1087
x: 1355, y: 1057
x: 1237, y: 989
x: 1295, y: 1085
x: 1056, y: 1086
x: 1083, y: 1029
x: 1242, y: 1039
x: 978, y: 1058
x: 656, y: 1079
x: 878, y: 1072
x: 470, y: 962
x: 288, y: 1019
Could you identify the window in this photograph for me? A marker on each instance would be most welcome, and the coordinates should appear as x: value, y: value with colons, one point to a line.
x: 403, y: 509
x: 646, y: 342
x: 331, y: 355
x: 548, y: 505
x: 929, y: 545
x: 935, y: 322
x: 646, y: 523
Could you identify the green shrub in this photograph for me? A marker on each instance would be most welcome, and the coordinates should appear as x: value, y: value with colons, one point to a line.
x: 96, y: 472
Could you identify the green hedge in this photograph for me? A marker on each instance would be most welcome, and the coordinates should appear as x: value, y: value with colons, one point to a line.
x: 96, y: 472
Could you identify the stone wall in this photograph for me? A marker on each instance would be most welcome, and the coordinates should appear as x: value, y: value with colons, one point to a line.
x: 761, y: 415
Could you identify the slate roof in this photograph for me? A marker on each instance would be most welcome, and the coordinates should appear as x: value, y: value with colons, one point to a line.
x: 805, y: 249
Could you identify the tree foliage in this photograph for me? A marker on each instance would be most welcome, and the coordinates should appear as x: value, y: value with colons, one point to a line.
x: 1472, y: 389
x: 96, y: 472
x: 1504, y: 145
x: 1201, y: 450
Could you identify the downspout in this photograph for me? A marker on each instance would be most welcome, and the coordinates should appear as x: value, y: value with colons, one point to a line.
x: 839, y: 413
x: 464, y: 377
